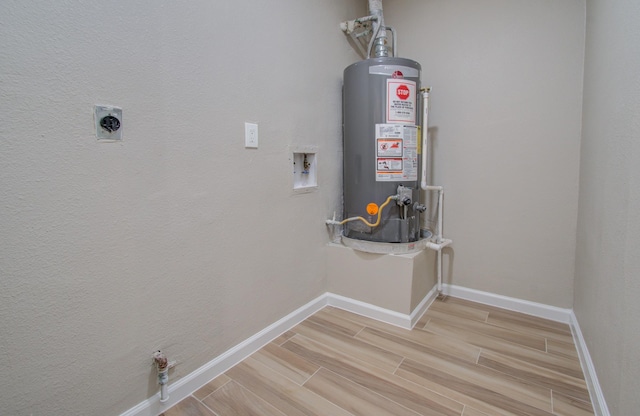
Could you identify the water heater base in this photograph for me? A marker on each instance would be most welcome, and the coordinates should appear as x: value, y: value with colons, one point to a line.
x: 386, y: 248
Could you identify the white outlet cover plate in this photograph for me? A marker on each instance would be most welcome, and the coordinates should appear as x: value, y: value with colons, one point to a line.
x: 251, y: 135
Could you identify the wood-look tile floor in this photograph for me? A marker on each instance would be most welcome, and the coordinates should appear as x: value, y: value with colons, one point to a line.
x: 461, y: 359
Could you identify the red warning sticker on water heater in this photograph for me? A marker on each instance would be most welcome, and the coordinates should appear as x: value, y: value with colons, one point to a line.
x: 401, y: 101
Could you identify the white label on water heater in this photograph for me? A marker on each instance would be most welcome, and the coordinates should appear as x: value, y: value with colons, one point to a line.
x: 396, y: 153
x: 401, y: 101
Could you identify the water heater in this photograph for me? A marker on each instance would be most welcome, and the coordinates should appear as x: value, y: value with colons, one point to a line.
x: 381, y: 180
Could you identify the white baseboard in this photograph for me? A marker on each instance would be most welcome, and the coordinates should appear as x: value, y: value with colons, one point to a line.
x: 381, y: 314
x: 548, y: 312
x: 540, y: 310
x: 198, y: 378
x: 369, y: 310
x: 423, y: 305
x: 193, y: 381
x: 595, y: 391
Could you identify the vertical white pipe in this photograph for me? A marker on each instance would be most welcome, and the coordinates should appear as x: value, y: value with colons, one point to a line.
x: 425, y: 136
x: 440, y: 201
x: 162, y: 364
x: 163, y: 380
x: 439, y: 239
x: 439, y: 271
x: 423, y: 180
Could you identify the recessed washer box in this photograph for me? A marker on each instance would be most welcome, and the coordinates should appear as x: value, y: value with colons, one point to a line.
x: 305, y: 168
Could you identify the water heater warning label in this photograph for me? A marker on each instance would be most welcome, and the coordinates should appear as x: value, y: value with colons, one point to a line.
x: 390, y: 147
x: 401, y: 101
x: 396, y: 153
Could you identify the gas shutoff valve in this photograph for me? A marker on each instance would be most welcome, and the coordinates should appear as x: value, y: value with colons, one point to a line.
x: 404, y: 196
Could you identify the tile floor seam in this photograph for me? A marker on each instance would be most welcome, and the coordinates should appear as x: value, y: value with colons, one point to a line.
x: 361, y: 329
x: 309, y: 378
x: 208, y: 408
x: 555, y: 348
x: 375, y: 392
x: 219, y: 387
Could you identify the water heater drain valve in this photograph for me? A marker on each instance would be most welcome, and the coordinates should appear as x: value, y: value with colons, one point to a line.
x: 419, y: 207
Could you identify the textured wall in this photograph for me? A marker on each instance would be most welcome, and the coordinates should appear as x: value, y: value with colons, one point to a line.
x: 178, y: 237
x: 607, y: 284
x: 394, y: 282
x: 505, y: 123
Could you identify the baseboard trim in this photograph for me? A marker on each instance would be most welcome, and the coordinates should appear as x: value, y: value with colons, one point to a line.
x: 193, y: 381
x: 381, y: 314
x: 198, y: 378
x: 369, y: 310
x: 552, y: 313
x: 540, y: 310
x: 423, y: 305
x: 595, y: 391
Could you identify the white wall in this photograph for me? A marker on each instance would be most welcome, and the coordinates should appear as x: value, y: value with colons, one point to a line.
x: 177, y: 238
x: 505, y: 124
x: 607, y: 285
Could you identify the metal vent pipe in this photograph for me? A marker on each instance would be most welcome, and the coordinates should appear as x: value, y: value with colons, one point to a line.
x: 379, y: 37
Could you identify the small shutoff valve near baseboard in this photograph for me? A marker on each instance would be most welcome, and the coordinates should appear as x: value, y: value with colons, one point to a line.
x: 163, y: 365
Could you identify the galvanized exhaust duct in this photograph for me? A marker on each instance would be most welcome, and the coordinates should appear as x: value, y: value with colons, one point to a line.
x: 379, y: 38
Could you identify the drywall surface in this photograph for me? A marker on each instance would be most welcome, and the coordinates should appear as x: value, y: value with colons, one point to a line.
x: 177, y: 238
x: 505, y: 129
x: 393, y: 282
x: 607, y: 282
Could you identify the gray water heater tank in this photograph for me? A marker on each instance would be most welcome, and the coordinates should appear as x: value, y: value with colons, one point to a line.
x: 381, y: 114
